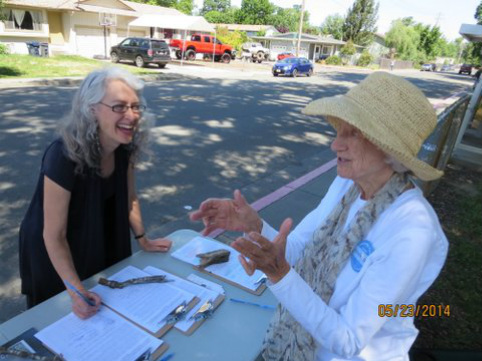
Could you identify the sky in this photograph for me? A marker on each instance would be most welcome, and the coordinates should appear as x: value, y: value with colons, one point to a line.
x: 447, y: 14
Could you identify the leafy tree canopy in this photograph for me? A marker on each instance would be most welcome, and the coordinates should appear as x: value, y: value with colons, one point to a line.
x: 333, y: 25
x: 256, y: 12
x: 361, y: 22
x: 288, y: 19
x: 217, y: 17
x: 215, y: 5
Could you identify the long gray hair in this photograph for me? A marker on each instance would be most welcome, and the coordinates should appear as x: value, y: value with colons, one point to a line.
x: 80, y: 129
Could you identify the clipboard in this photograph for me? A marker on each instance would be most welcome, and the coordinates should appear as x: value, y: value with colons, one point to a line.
x: 73, y: 337
x: 150, y: 317
x: 26, y: 341
x: 258, y: 291
x: 224, y: 271
x: 197, y: 324
x: 163, y: 330
x: 189, y: 285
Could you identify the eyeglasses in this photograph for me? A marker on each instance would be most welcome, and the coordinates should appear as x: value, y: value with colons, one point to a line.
x: 123, y: 108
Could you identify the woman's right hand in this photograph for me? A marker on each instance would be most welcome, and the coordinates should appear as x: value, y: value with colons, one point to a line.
x: 229, y: 214
x: 81, y: 308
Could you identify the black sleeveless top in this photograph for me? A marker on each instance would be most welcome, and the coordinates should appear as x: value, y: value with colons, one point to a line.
x: 97, y: 227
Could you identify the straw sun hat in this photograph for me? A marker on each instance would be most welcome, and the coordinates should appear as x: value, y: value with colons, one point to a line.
x: 392, y: 113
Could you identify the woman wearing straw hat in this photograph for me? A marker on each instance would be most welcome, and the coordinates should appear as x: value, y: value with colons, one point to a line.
x: 373, y: 244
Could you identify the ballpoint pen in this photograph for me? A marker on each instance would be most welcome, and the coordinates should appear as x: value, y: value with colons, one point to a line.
x: 77, y: 292
x: 269, y: 307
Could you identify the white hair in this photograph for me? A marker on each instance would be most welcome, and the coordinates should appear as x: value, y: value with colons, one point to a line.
x: 80, y: 130
x: 396, y: 165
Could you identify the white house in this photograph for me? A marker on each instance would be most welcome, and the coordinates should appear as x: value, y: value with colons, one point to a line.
x: 312, y: 47
x: 250, y: 30
x: 83, y: 27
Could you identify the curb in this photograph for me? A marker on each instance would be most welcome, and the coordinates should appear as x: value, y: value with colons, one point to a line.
x: 75, y: 81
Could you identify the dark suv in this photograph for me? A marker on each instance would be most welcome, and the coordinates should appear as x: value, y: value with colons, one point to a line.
x: 141, y: 51
x: 466, y: 68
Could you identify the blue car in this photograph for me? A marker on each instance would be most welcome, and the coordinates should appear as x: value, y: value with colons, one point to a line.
x: 293, y: 67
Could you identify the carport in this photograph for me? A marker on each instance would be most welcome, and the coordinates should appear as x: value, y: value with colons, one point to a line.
x: 175, y: 22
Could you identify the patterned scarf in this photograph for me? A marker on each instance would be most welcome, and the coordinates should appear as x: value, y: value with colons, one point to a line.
x: 322, y: 260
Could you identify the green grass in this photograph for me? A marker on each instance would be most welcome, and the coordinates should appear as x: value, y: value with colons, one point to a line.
x: 26, y: 66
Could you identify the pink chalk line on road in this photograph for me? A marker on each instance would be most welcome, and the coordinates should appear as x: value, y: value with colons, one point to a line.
x: 284, y: 191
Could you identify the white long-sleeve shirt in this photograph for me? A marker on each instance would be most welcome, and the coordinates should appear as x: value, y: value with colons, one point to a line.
x: 400, y: 258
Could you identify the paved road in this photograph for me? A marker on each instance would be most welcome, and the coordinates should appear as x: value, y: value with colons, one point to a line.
x: 226, y: 130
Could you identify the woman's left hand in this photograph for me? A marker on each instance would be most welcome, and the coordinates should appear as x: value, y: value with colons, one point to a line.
x: 155, y: 245
x: 268, y: 257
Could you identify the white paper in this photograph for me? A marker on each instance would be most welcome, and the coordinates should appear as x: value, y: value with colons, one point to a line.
x: 231, y: 270
x: 202, y: 293
x: 104, y: 336
x: 205, y: 283
x: 145, y: 304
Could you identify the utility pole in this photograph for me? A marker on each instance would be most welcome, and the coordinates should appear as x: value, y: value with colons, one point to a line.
x: 300, y: 29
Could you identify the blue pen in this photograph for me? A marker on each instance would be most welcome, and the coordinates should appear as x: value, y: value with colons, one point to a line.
x: 72, y: 287
x: 253, y: 304
x: 167, y: 357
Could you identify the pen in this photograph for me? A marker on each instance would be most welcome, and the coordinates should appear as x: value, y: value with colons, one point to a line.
x: 72, y: 287
x: 167, y: 357
x: 269, y: 307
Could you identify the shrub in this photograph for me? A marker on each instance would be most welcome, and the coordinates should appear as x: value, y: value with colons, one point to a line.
x: 365, y: 59
x: 3, y: 49
x: 333, y: 60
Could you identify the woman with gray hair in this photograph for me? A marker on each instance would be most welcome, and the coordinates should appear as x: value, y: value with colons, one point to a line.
x: 348, y: 277
x: 78, y: 221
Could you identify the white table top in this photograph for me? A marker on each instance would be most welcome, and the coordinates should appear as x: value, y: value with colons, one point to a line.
x: 234, y: 332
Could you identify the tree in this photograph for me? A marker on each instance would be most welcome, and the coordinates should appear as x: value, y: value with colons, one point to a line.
x: 215, y: 5
x: 361, y: 22
x: 404, y: 39
x: 217, y: 17
x: 288, y: 19
x: 429, y: 37
x: 333, y: 25
x: 478, y: 14
x: 185, y: 6
x: 2, y: 15
x: 258, y: 12
x: 348, y: 49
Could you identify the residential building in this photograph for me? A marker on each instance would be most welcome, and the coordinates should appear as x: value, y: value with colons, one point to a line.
x: 378, y: 48
x: 250, y: 30
x: 83, y: 27
x: 313, y: 47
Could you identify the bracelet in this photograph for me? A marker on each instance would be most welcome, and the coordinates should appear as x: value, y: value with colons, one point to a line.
x: 140, y: 236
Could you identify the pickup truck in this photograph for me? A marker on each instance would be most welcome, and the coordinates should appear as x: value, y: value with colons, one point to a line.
x: 203, y: 44
x: 255, y: 52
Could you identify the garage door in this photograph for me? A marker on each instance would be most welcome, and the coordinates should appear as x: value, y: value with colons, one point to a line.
x: 90, y: 41
x: 122, y: 34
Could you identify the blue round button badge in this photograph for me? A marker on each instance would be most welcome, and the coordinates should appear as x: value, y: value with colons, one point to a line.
x: 361, y: 252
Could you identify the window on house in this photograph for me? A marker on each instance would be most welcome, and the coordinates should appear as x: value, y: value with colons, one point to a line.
x: 23, y: 19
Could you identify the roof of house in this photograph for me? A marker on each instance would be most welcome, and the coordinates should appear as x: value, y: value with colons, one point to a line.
x: 245, y: 27
x: 129, y: 8
x: 304, y: 37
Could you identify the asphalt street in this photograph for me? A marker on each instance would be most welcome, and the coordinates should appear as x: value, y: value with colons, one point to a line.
x: 227, y: 129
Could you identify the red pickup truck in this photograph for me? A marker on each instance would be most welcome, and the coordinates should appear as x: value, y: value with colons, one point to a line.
x: 203, y: 44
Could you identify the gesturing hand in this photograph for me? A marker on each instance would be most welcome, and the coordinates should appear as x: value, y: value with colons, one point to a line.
x: 229, y: 214
x: 269, y: 257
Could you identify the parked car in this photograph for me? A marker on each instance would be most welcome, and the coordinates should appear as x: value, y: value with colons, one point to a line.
x: 203, y: 44
x: 465, y: 68
x: 428, y: 67
x: 284, y: 55
x: 255, y: 51
x: 141, y: 51
x: 293, y: 67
